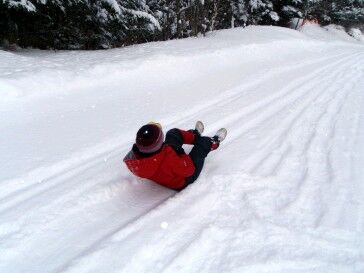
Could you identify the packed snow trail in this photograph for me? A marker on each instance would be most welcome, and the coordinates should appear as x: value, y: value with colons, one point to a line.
x: 283, y: 194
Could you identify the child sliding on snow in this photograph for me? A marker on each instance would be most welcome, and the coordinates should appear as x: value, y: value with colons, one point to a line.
x: 166, y: 163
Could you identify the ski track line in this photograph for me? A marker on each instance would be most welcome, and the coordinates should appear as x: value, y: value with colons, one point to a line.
x: 177, y: 252
x: 340, y: 203
x: 266, y: 103
x: 237, y: 92
x: 217, y: 229
x: 12, y: 202
x: 311, y: 143
x: 280, y: 142
x: 199, y: 196
x: 272, y: 140
x: 312, y: 130
x: 203, y: 222
x: 343, y: 94
x: 313, y: 137
x: 99, y: 241
x: 262, y: 104
x: 351, y: 145
x: 21, y: 203
x: 264, y: 162
x: 310, y: 175
x: 234, y: 93
x: 213, y: 223
x: 267, y: 108
x: 309, y: 95
x: 69, y: 202
x: 359, y: 190
x: 220, y: 227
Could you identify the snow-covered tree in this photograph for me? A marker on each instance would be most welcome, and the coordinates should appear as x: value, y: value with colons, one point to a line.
x: 78, y: 23
x: 90, y: 24
x: 240, y: 12
x: 262, y: 12
x: 290, y: 9
x: 348, y: 12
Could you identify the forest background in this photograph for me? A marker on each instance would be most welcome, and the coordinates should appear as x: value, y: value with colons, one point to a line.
x: 101, y: 24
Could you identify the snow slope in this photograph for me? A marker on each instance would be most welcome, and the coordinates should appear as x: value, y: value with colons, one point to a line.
x: 283, y: 194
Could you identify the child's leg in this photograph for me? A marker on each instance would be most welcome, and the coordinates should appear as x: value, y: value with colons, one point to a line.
x: 177, y: 137
x: 175, y: 140
x: 198, y: 154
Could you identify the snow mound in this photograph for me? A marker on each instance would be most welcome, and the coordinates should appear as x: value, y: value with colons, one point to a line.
x: 331, y: 33
x: 52, y: 74
x: 356, y: 34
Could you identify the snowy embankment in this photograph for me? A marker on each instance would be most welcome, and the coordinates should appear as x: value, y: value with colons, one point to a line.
x: 283, y: 194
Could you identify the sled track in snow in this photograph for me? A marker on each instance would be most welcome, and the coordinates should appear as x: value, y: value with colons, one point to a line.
x: 310, y: 95
x: 318, y: 104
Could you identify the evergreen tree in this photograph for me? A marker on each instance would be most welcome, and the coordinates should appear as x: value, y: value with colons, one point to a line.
x: 92, y: 24
x: 262, y: 12
x: 73, y: 24
x: 305, y: 9
x: 348, y: 12
x: 240, y: 13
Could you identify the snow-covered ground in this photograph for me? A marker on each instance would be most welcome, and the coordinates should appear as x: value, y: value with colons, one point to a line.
x: 285, y: 193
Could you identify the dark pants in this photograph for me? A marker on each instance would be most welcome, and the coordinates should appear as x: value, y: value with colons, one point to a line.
x: 199, y: 152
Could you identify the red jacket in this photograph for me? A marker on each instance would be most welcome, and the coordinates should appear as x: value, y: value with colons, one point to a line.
x: 166, y: 167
